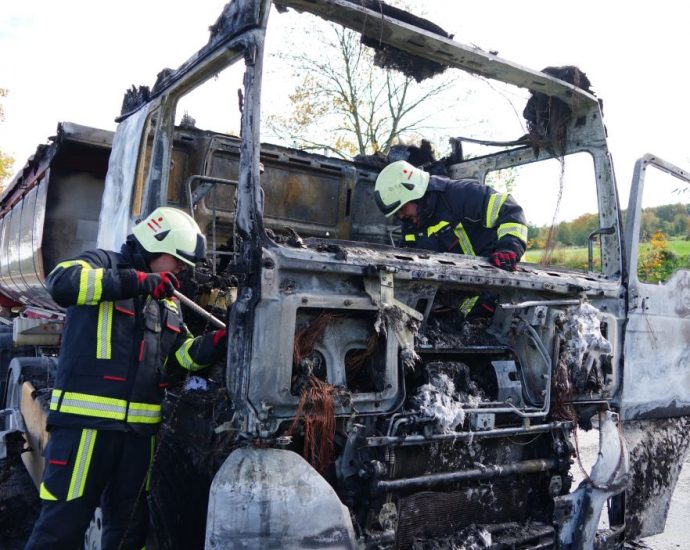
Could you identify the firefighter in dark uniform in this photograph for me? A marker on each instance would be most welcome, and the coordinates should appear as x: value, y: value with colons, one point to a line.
x: 461, y: 216
x: 123, y: 333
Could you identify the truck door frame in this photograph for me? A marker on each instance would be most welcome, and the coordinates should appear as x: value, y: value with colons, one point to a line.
x: 656, y: 378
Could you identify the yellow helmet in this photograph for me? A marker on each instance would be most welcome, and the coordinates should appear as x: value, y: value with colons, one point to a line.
x: 397, y: 184
x: 171, y: 231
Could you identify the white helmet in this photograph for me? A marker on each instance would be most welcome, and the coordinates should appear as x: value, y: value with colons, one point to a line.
x: 397, y: 184
x: 171, y: 231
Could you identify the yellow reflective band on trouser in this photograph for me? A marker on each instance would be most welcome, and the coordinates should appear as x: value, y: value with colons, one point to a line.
x: 81, y: 464
x: 105, y: 407
x: 433, y: 229
x: 467, y: 305
x: 183, y: 357
x: 144, y: 413
x: 45, y: 494
x: 410, y: 238
x: 104, y: 330
x: 493, y: 209
x: 464, y: 240
x: 90, y: 282
x: 515, y: 229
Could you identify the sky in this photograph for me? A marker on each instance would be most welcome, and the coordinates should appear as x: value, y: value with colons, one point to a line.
x: 72, y: 60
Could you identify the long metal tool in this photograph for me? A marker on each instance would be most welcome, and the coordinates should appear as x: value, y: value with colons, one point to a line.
x: 198, y: 309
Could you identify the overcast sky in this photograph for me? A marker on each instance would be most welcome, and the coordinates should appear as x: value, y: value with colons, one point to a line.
x: 71, y: 60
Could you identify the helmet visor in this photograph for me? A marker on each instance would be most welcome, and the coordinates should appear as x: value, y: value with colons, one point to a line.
x: 387, y: 209
x: 197, y: 255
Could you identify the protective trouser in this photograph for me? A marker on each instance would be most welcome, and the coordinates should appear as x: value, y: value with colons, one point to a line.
x: 87, y: 468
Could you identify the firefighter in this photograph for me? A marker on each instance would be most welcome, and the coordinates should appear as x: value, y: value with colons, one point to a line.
x: 123, y: 334
x: 461, y: 216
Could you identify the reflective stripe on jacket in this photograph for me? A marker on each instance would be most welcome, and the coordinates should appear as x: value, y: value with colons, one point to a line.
x: 466, y: 217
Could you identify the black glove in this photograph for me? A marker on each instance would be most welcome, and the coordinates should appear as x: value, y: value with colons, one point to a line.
x: 158, y: 285
x: 505, y: 259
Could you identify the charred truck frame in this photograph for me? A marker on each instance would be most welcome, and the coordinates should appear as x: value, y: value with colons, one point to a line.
x: 354, y: 412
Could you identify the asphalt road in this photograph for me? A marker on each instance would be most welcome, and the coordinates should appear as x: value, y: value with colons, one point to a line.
x: 677, y: 533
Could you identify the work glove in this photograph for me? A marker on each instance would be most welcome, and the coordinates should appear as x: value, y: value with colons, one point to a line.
x: 158, y: 285
x: 219, y: 338
x: 505, y: 259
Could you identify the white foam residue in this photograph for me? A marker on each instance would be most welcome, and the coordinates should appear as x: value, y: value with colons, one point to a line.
x: 437, y: 400
x: 583, y: 337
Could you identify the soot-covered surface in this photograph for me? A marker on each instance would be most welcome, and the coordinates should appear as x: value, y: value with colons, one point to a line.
x: 19, y: 503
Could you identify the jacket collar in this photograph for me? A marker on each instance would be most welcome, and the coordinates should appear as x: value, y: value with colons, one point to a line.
x: 135, y: 254
x: 427, y: 204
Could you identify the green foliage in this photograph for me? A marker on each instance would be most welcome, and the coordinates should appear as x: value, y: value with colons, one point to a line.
x: 656, y: 262
x: 659, y: 258
x: 6, y: 161
x: 670, y: 219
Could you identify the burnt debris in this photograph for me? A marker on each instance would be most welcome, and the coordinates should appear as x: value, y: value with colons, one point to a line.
x: 134, y: 98
x: 388, y: 57
x: 548, y: 117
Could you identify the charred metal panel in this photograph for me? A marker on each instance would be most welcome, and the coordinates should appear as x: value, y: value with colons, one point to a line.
x: 657, y: 374
x: 657, y: 451
x: 369, y: 224
x: 332, y: 277
x: 307, y: 193
x: 657, y: 351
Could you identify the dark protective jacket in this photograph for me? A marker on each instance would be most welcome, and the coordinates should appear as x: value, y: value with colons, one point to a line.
x: 117, y: 346
x: 466, y: 217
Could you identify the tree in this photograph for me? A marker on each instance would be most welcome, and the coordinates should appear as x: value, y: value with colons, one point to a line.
x: 6, y: 161
x: 346, y: 106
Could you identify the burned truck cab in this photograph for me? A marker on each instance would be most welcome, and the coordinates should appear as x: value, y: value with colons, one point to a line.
x: 363, y: 410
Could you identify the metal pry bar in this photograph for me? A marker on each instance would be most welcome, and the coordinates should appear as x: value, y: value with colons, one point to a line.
x: 198, y: 309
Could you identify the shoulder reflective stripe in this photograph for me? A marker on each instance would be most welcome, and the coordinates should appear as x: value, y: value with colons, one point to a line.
x: 183, y: 357
x: 515, y: 229
x: 71, y: 263
x: 45, y: 494
x: 81, y: 464
x: 433, y: 229
x: 493, y: 209
x: 144, y: 413
x: 467, y: 305
x: 464, y: 240
x: 90, y: 286
x: 410, y: 238
x: 89, y: 405
x: 105, y: 329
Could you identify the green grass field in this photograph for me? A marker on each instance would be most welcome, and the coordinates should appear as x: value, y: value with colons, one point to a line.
x: 576, y: 257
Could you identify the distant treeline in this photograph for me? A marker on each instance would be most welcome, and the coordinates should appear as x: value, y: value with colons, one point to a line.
x: 671, y: 219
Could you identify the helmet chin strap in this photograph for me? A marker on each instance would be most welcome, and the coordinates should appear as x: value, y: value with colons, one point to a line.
x: 141, y: 258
